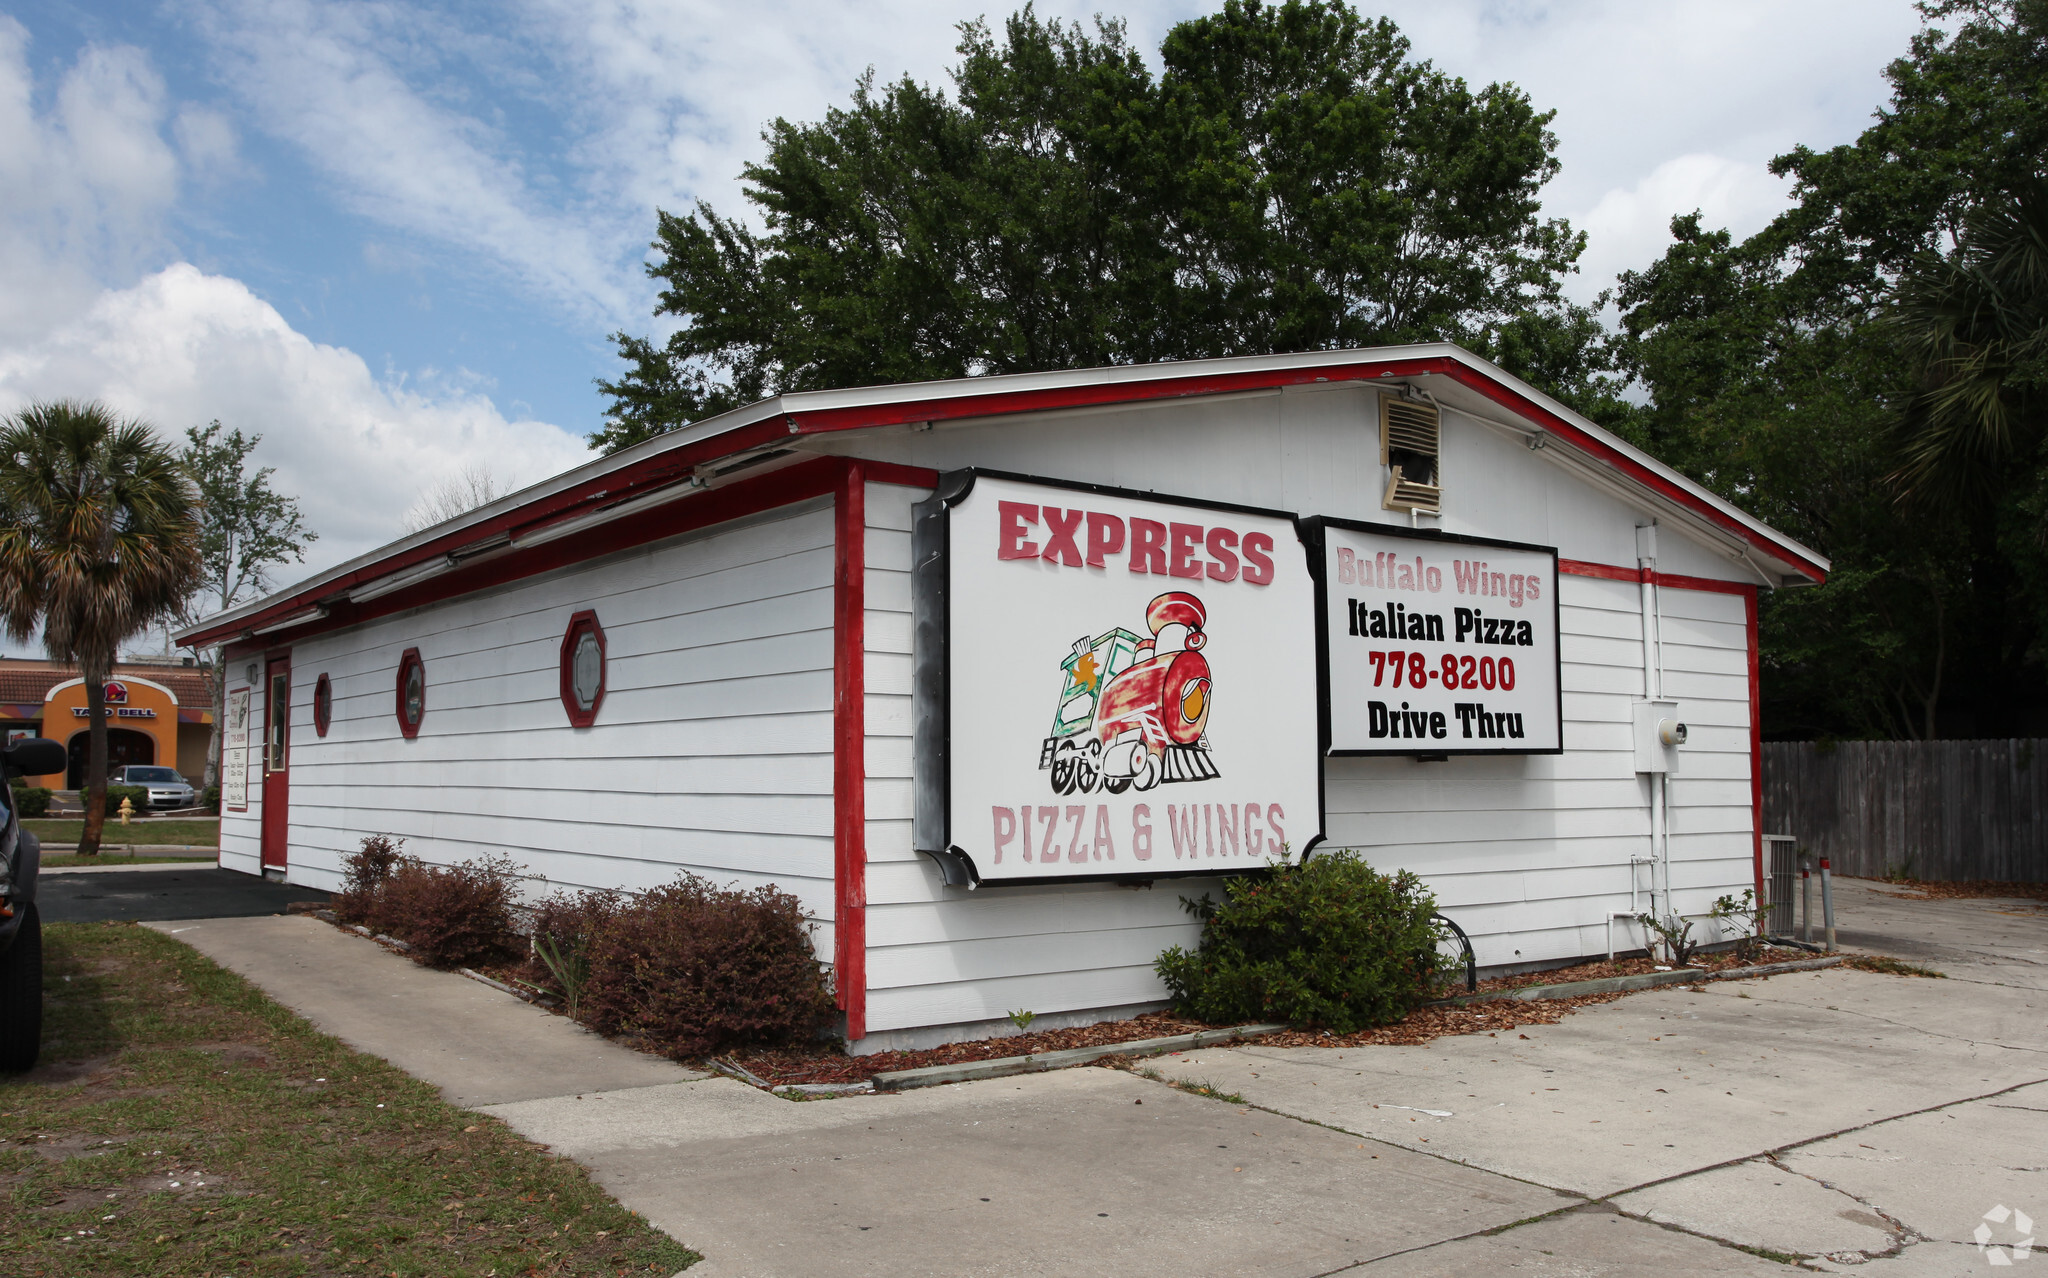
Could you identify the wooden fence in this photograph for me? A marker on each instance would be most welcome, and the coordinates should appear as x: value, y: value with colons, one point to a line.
x: 1928, y: 809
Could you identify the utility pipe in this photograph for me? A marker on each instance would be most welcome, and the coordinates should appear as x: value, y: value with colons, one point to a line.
x: 1827, y: 904
x: 1805, y: 900
x: 1653, y: 690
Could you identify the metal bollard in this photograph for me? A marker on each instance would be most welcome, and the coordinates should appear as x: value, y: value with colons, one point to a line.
x: 1805, y: 901
x: 1827, y: 904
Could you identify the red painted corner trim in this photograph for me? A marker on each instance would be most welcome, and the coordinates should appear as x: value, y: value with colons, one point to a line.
x: 1606, y: 572
x: 1714, y: 585
x: 581, y: 623
x: 849, y: 748
x: 408, y: 661
x: 1673, y: 580
x: 1756, y: 743
x: 879, y: 472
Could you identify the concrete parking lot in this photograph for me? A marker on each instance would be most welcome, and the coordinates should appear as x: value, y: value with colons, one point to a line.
x: 1837, y: 1120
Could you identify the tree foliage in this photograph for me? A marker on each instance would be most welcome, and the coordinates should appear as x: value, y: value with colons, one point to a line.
x: 1290, y: 180
x: 246, y: 528
x: 1822, y: 374
x: 99, y: 540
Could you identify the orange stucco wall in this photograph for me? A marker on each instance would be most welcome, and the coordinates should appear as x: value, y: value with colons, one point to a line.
x: 64, y: 718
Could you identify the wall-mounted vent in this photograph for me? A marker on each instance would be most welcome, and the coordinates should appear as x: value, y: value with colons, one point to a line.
x: 1409, y: 442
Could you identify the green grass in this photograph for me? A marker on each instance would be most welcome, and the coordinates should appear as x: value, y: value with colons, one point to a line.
x: 317, y: 1160
x: 205, y: 834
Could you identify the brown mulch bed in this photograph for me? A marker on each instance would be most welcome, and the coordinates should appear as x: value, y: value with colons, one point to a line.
x: 817, y: 1064
x: 801, y: 1065
x: 1971, y: 889
x: 1717, y: 961
x: 811, y: 1065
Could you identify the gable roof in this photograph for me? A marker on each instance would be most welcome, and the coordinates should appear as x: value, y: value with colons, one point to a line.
x: 685, y: 462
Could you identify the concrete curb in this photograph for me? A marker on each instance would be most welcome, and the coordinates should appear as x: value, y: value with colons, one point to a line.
x: 125, y: 866
x: 934, y: 1075
x: 141, y: 849
x: 525, y: 996
x: 1642, y: 981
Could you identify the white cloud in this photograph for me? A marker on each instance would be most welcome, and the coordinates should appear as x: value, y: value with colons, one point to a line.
x: 83, y: 187
x: 1628, y: 229
x: 182, y: 347
x: 1684, y: 102
x: 97, y: 305
x: 332, y: 80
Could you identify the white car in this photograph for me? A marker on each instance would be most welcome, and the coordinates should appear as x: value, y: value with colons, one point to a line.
x: 166, y: 788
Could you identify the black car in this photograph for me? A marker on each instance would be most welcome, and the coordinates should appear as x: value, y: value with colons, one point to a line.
x: 21, y: 932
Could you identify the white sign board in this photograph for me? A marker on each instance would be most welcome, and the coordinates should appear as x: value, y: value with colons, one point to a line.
x: 1131, y: 685
x: 1439, y: 644
x: 234, y: 763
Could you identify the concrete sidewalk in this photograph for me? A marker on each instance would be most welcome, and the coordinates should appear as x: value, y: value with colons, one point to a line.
x: 1859, y: 1120
x: 479, y: 1046
x: 1836, y: 1113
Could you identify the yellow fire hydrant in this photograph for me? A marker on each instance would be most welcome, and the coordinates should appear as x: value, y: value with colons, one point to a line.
x: 127, y: 810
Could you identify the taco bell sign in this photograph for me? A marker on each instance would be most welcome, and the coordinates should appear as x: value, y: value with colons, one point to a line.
x: 1130, y: 684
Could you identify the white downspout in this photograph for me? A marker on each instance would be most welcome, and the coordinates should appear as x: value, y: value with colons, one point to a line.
x: 1653, y: 690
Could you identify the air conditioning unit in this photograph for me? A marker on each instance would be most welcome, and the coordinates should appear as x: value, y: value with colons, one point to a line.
x: 1410, y: 440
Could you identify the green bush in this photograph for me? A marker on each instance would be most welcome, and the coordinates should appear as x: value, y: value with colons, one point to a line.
x: 210, y: 800
x: 31, y: 800
x: 1332, y: 943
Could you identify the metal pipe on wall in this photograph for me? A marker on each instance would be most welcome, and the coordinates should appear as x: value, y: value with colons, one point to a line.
x: 1653, y: 690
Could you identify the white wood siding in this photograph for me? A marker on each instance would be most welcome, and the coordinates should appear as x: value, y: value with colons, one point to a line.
x: 1529, y: 853
x: 939, y: 956
x: 712, y: 751
x: 241, y: 833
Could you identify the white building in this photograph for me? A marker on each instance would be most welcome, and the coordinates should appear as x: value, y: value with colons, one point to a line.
x: 704, y: 654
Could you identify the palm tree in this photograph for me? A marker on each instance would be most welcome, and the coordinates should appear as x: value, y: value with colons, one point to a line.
x: 99, y: 539
x: 1975, y: 325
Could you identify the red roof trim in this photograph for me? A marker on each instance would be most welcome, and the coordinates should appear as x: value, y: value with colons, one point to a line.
x: 822, y: 421
x: 818, y: 477
x: 790, y: 420
x: 1526, y: 407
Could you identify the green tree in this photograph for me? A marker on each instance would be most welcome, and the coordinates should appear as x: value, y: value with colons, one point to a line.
x: 99, y: 539
x: 1796, y: 372
x: 246, y: 528
x: 1975, y: 325
x: 1290, y: 180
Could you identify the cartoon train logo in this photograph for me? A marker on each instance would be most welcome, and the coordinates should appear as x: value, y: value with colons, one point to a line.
x: 1134, y: 712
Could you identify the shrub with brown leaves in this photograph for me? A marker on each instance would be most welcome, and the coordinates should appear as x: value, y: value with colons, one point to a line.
x: 695, y: 968
x: 452, y: 916
x: 364, y: 874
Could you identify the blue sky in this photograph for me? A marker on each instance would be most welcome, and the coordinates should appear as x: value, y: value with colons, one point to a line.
x: 393, y: 237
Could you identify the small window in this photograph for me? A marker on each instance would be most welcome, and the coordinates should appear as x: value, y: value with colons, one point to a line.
x: 583, y: 669
x: 1409, y: 444
x: 323, y: 705
x: 277, y: 727
x: 412, y: 692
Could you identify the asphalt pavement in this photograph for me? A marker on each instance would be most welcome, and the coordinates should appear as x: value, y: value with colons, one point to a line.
x: 151, y: 894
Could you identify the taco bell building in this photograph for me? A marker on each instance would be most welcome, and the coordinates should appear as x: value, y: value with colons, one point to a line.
x: 991, y: 672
